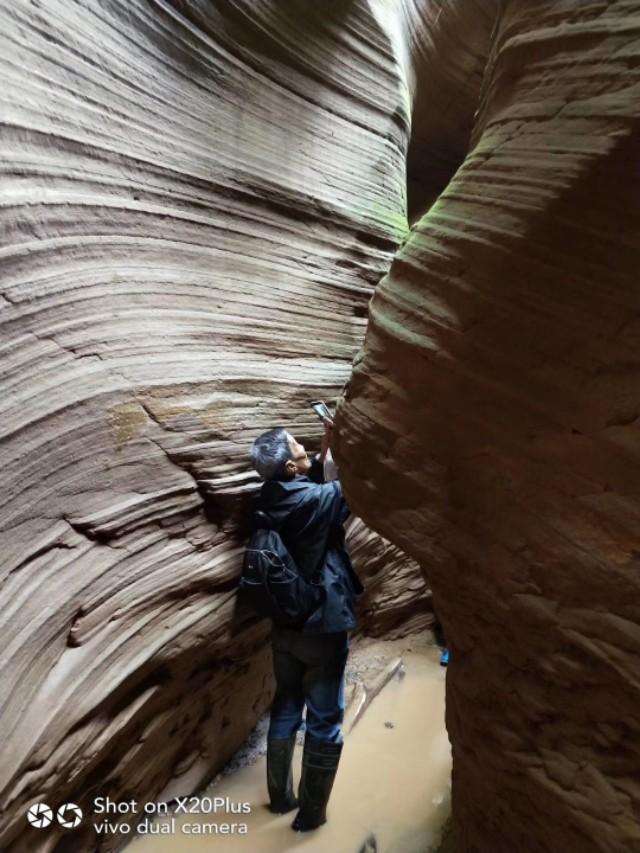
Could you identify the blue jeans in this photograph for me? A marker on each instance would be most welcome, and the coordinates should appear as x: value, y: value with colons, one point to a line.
x: 309, y: 669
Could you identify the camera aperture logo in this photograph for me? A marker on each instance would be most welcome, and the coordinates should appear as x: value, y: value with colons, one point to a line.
x: 40, y: 815
x: 69, y: 815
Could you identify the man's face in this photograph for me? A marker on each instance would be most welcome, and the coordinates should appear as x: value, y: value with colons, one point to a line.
x: 299, y: 462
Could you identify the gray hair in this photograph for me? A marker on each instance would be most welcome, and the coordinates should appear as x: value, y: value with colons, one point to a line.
x: 270, y: 452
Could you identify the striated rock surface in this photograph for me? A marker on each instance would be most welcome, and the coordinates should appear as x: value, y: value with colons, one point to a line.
x: 495, y: 407
x: 197, y: 201
x: 396, y: 599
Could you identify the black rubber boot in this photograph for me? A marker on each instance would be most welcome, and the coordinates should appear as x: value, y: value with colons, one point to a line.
x: 279, y: 774
x: 319, y: 765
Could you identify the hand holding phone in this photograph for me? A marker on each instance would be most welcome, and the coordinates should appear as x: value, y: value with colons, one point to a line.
x: 321, y: 410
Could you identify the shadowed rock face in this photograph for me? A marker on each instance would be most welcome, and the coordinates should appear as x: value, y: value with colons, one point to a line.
x: 496, y: 403
x: 198, y: 200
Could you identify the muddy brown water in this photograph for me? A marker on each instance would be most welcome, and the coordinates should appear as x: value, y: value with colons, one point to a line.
x: 392, y: 789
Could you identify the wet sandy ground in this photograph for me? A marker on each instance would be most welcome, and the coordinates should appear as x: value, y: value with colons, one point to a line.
x: 392, y: 789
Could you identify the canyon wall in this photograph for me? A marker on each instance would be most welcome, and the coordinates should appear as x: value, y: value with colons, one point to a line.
x: 495, y: 406
x: 197, y: 201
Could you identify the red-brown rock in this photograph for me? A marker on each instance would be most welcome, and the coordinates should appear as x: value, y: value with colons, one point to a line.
x: 495, y: 405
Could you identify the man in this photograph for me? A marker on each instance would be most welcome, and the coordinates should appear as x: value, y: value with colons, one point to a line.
x: 309, y: 663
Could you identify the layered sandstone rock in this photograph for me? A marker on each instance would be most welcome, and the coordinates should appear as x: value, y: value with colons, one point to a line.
x: 495, y: 405
x: 396, y: 600
x: 197, y: 201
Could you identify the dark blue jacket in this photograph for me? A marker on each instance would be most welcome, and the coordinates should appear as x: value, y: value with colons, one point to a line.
x: 310, y: 515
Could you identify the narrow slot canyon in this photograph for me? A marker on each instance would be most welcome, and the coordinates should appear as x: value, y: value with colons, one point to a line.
x: 424, y: 213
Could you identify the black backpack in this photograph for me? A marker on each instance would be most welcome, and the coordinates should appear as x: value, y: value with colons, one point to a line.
x: 272, y: 584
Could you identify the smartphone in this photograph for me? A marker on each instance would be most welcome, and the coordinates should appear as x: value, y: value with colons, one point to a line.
x: 321, y: 410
